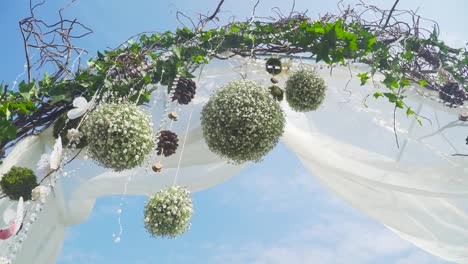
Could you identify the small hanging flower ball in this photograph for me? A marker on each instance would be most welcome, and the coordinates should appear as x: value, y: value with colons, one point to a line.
x: 119, y: 135
x: 168, y: 212
x: 242, y: 121
x: 305, y: 91
x: 18, y: 182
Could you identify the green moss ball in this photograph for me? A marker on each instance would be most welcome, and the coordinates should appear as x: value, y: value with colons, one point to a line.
x: 18, y: 182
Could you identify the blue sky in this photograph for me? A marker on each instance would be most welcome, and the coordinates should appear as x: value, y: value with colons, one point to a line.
x: 273, y: 212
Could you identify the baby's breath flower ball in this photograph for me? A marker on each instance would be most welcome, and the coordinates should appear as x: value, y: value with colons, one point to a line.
x: 119, y: 135
x: 305, y: 91
x: 242, y: 121
x: 168, y: 212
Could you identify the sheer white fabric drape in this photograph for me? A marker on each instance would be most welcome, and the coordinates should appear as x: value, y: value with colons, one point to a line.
x: 418, y: 190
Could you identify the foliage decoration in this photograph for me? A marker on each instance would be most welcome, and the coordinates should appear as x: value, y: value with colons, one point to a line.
x: 18, y: 182
x: 305, y: 90
x: 119, y: 135
x: 168, y: 212
x: 403, y: 51
x: 242, y: 122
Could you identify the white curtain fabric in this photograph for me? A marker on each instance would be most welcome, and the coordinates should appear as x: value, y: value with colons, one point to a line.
x: 418, y: 190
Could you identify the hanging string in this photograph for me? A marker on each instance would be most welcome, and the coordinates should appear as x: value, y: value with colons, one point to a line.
x: 33, y: 210
x: 183, y: 147
x: 186, y: 135
x: 117, y: 237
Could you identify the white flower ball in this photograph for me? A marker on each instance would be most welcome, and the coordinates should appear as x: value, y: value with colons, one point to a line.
x: 305, y: 91
x: 119, y: 135
x: 168, y: 212
x: 242, y: 121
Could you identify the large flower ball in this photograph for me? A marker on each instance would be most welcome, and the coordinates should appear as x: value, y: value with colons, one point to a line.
x: 242, y: 121
x: 18, y: 182
x: 305, y: 91
x: 168, y: 212
x: 119, y: 135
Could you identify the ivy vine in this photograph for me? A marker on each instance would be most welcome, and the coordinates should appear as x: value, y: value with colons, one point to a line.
x: 133, y: 69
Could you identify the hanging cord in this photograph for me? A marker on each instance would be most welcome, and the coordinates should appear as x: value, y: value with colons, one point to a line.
x: 117, y: 237
x: 186, y: 134
x: 183, y: 147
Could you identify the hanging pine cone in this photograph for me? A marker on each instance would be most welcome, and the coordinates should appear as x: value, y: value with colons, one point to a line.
x: 453, y: 94
x: 168, y: 143
x: 184, y: 91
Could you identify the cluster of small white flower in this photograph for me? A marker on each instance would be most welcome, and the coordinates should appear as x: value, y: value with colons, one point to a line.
x: 4, y: 260
x: 168, y: 212
x: 242, y: 121
x: 305, y: 90
x: 120, y: 135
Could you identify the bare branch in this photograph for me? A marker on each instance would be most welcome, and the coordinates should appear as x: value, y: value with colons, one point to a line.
x: 390, y: 14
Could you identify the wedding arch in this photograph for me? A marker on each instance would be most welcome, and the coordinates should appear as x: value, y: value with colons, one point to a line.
x: 374, y: 108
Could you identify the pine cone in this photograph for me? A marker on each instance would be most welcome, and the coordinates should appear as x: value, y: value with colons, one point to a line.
x: 453, y: 94
x: 184, y: 91
x: 168, y: 143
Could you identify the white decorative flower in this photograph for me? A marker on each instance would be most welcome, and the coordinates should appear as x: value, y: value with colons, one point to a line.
x: 48, y: 163
x: 15, y: 225
x: 56, y: 155
x: 43, y: 166
x: 81, y: 107
x: 4, y: 260
x: 39, y: 193
x: 74, y: 135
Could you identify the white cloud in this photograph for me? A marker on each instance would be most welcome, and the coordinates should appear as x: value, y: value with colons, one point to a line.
x: 333, y: 234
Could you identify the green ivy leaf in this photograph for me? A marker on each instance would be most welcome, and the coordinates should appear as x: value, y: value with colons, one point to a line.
x: 235, y: 28
x: 364, y: 77
x: 391, y: 97
x: 409, y: 111
x: 377, y: 95
x: 423, y: 83
x: 399, y: 104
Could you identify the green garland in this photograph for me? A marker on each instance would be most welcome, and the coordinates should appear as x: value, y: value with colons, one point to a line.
x: 158, y: 58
